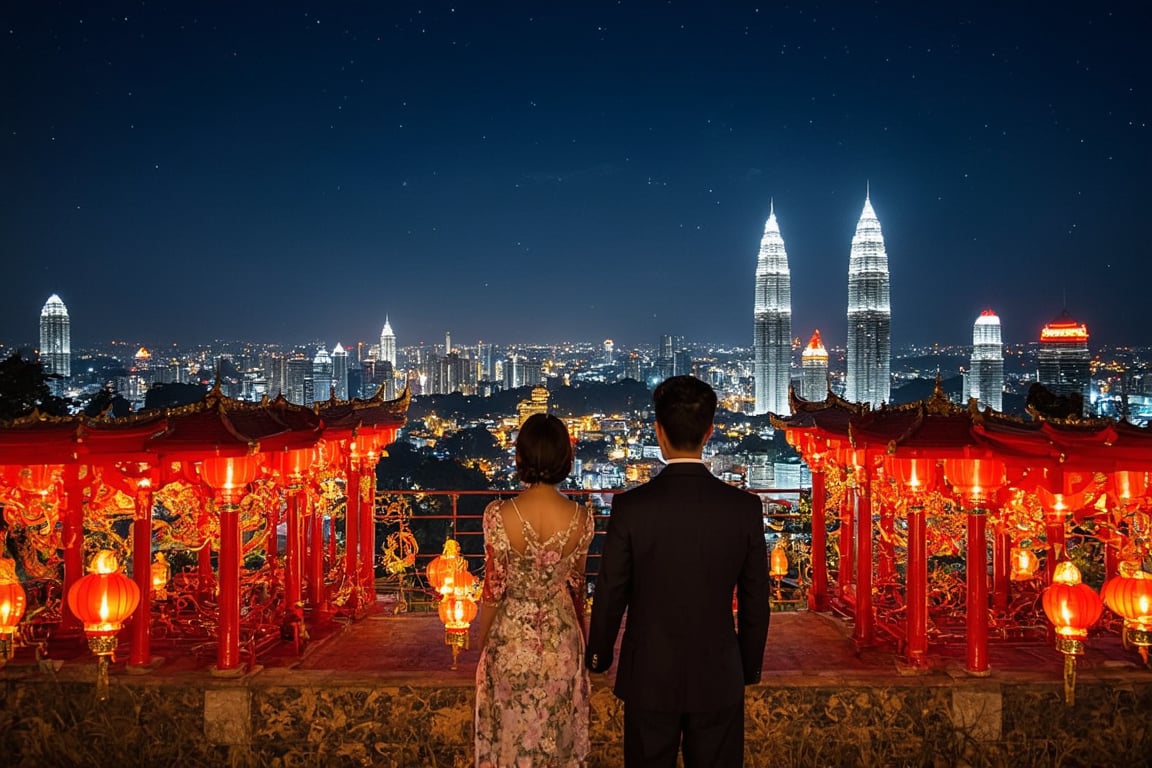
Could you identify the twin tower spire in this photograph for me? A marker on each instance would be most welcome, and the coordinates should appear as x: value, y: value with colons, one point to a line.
x: 869, y: 318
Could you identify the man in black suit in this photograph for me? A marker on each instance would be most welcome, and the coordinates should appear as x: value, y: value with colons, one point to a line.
x: 675, y: 549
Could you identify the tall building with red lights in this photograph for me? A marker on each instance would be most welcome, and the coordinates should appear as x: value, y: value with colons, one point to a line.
x: 1064, y: 358
x: 814, y: 370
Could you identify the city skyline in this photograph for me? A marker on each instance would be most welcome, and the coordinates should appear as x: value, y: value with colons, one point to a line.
x: 602, y: 172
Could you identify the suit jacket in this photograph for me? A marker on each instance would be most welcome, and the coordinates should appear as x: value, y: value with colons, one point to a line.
x: 675, y: 549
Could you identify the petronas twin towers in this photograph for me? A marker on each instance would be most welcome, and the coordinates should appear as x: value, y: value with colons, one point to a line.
x: 869, y: 318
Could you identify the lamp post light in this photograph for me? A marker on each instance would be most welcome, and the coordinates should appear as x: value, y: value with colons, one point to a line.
x: 12, y: 603
x: 1072, y: 606
x: 457, y: 610
x: 102, y: 600
x: 161, y: 573
x: 1024, y: 564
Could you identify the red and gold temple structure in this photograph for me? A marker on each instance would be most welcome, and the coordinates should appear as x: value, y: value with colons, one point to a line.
x: 941, y: 515
x: 211, y: 481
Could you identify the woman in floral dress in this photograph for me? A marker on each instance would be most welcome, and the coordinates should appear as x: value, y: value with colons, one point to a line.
x: 531, y: 686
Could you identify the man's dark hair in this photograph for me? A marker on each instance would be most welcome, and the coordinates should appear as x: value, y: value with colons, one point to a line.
x: 543, y: 450
x: 685, y: 407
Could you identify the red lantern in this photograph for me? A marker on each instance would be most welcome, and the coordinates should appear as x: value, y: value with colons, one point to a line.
x: 913, y: 474
x: 1130, y: 486
x: 449, y: 569
x: 102, y: 600
x: 1130, y: 596
x: 457, y: 611
x: 779, y: 565
x: 229, y: 474
x: 974, y: 479
x: 1072, y: 606
x: 12, y: 604
x: 292, y: 464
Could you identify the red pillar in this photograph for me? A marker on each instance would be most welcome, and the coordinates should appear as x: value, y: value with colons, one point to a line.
x: 916, y: 587
x: 228, y: 631
x: 293, y: 556
x: 352, y: 512
x: 818, y: 592
x: 1001, y: 571
x: 141, y: 654
x: 206, y: 582
x: 864, y: 627
x: 72, y: 539
x: 976, y: 568
x: 368, y: 535
x: 316, y: 560
x: 844, y: 575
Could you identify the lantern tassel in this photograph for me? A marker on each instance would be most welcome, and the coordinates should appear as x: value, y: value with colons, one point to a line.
x: 1069, y: 680
x: 101, y: 678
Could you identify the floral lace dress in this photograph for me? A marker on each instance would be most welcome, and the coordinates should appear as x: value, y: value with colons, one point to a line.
x: 531, y: 686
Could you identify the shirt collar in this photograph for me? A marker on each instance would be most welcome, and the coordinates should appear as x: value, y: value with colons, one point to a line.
x: 683, y: 461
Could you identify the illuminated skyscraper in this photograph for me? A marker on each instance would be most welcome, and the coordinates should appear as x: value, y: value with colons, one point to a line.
x: 56, y: 341
x: 1064, y: 357
x: 986, y: 375
x: 772, y: 322
x: 340, y: 371
x: 321, y: 375
x: 814, y: 370
x: 869, y: 314
x: 388, y: 344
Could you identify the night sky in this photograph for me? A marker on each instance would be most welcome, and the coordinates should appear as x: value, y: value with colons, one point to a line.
x: 194, y: 171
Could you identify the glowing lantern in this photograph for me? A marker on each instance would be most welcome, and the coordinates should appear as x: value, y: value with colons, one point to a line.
x: 1024, y: 564
x: 291, y: 465
x: 1072, y: 606
x: 229, y: 474
x: 1130, y: 486
x: 779, y: 567
x: 1130, y: 596
x: 449, y: 569
x: 974, y: 479
x: 102, y: 600
x: 457, y: 611
x: 160, y: 573
x: 914, y: 475
x: 12, y: 603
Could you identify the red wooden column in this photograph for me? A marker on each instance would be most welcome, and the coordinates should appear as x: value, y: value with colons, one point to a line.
x: 294, y: 554
x: 368, y: 531
x: 228, y: 631
x: 916, y: 585
x: 352, y: 512
x: 844, y: 575
x: 818, y: 592
x: 272, y: 548
x: 141, y: 654
x: 863, y: 630
x: 886, y: 550
x: 976, y: 568
x: 72, y: 538
x: 316, y: 557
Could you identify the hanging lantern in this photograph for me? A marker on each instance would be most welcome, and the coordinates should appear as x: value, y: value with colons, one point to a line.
x: 1130, y: 486
x: 102, y: 601
x: 457, y: 611
x: 1129, y: 595
x: 229, y: 475
x: 1072, y: 606
x: 975, y: 480
x: 779, y: 566
x: 292, y: 464
x: 12, y: 604
x: 1024, y: 564
x: 915, y: 475
x: 160, y: 573
x: 449, y: 569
